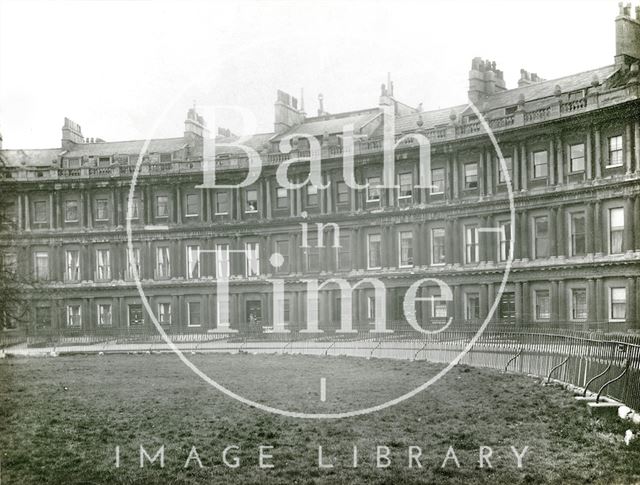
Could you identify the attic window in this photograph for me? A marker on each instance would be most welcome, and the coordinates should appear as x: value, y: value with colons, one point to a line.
x: 104, y: 161
x: 165, y: 157
x: 71, y: 163
x: 509, y: 110
x: 470, y: 118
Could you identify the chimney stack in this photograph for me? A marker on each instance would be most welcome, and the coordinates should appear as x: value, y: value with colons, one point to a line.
x: 71, y: 134
x: 484, y: 79
x: 286, y: 111
x: 194, y: 129
x: 526, y: 78
x: 627, y: 36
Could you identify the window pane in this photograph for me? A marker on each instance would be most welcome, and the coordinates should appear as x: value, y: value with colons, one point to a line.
x: 437, y: 181
x: 540, y: 164
x: 373, y: 191
x: 471, y: 176
x: 222, y: 203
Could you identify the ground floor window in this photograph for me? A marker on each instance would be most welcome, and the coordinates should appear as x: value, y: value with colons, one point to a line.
x: 194, y: 314
x: 472, y: 306
x: 74, y: 316
x: 43, y: 317
x: 164, y: 313
x: 578, y: 304
x: 104, y: 314
x: 136, y: 317
x: 617, y: 303
x: 542, y: 304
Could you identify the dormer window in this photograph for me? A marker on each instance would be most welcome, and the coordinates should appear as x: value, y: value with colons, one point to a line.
x: 509, y: 110
x: 165, y: 158
x: 104, y: 161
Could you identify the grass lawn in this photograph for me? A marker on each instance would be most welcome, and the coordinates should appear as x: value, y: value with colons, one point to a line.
x: 61, y: 419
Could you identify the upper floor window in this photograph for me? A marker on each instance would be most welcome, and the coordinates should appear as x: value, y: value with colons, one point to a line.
x: 74, y: 316
x: 616, y: 229
x: 9, y: 213
x: 343, y: 192
x: 502, y: 176
x: 578, y: 304
x: 40, y: 211
x: 135, y: 208
x: 576, y: 154
x: 103, y: 266
x: 312, y: 195
x: 437, y: 181
x: 540, y: 164
x: 578, y: 234
x: 251, y: 200
x: 344, y: 252
x: 373, y: 189
x: 104, y: 161
x: 163, y: 262
x: 437, y: 246
x: 223, y: 263
x: 222, y: 203
x: 615, y: 150
x: 282, y: 248
x: 504, y: 236
x: 162, y: 206
x: 9, y: 262
x: 133, y: 263
x: 374, y: 246
x: 102, y: 209
x: 252, y: 258
x: 70, y: 210
x: 312, y: 255
x: 104, y: 314
x: 72, y: 258
x: 165, y: 158
x: 193, y: 261
x: 405, y: 181
x: 617, y: 303
x: 193, y: 205
x: 471, y: 243
x: 471, y: 176
x: 541, y: 236
x: 282, y: 201
x: 542, y: 304
x: 406, y: 248
x: 41, y: 265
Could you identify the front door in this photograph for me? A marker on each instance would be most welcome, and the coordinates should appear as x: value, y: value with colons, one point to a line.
x: 254, y: 315
x: 136, y: 318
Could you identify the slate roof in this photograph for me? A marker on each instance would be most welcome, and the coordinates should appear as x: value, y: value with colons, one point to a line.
x: 132, y: 147
x: 29, y: 158
x: 331, y: 124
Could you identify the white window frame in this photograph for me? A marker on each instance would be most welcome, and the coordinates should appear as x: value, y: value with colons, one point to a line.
x: 189, y: 322
x: 186, y: 209
x: 162, y: 314
x: 501, y: 175
x: 536, y: 315
x: 72, y: 274
x: 444, y: 232
x: 410, y: 195
x: 572, y: 158
x: 610, y: 229
x: 106, y: 209
x: 534, y: 165
x: 42, y: 255
x: 217, y: 212
x: 163, y: 260
x: 369, y: 238
x: 66, y: 202
x: 465, y: 176
x: 471, y: 245
x: 247, y: 208
x: 572, y: 304
x: 134, y: 258
x: 467, y: 305
x: 400, y: 264
x: 617, y: 150
x: 611, y: 303
x: 100, y: 306
x: 222, y: 258
x: 371, y: 190
x: 252, y: 259
x: 103, y: 271
x: 166, y: 206
x: 70, y: 315
x: 504, y: 241
x: 433, y: 190
x: 313, y: 190
x: 191, y: 264
x: 279, y: 197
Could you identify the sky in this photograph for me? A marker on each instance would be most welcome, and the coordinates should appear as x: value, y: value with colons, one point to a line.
x: 131, y: 69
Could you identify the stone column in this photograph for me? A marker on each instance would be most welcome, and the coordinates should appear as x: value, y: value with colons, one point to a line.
x: 27, y: 213
x: 628, y: 158
x: 590, y: 229
x: 592, y: 303
x: 524, y: 236
x: 562, y: 302
x: 632, y: 317
x: 636, y: 222
x: 491, y: 240
x: 450, y: 244
x: 51, y: 212
x: 560, y: 162
x: 520, y: 318
x: 481, y: 173
x: 456, y: 175
x: 177, y: 193
x: 484, y: 303
x: 597, y: 159
x: 515, y: 163
x: 628, y: 224
x: 523, y: 165
x: 552, y: 232
x: 636, y: 144
x: 526, y: 302
x: 488, y: 159
x: 588, y: 159
x: 597, y: 228
x: 551, y: 163
x: 561, y: 244
x: 601, y: 302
